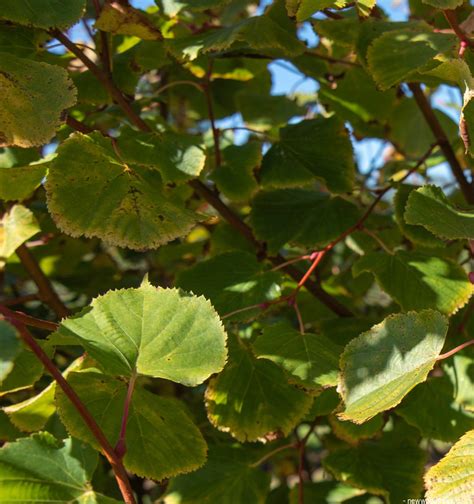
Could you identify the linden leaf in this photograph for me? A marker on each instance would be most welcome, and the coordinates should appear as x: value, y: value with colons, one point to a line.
x: 304, y: 217
x: 158, y: 332
x: 391, y: 467
x: 9, y: 348
x: 415, y: 233
x: 252, y: 398
x: 311, y: 360
x: 18, y: 183
x: 429, y: 207
x: 125, y: 20
x: 43, y: 13
x: 382, y: 365
x: 233, y: 477
x: 35, y: 98
x: 418, y: 281
x: 317, y: 148
x: 397, y: 54
x: 92, y: 192
x: 42, y: 469
x: 16, y: 226
x: 161, y: 439
x: 452, y: 478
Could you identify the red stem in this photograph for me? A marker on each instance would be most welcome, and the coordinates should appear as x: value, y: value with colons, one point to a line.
x: 121, y: 446
x: 451, y: 18
x: 28, y: 320
x: 455, y: 350
x: 116, y: 463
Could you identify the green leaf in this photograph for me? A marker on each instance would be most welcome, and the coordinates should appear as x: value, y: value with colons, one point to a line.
x: 356, y: 98
x: 429, y: 207
x: 265, y: 112
x: 382, y: 365
x: 122, y: 19
x: 173, y: 7
x: 43, y: 13
x: 158, y: 332
x: 431, y: 408
x: 303, y: 217
x: 325, y: 402
x: 9, y: 348
x: 391, y: 467
x: 228, y: 477
x: 397, y: 54
x: 18, y: 40
x: 365, y: 7
x: 178, y: 158
x: 329, y: 492
x: 235, y: 177
x: 161, y: 439
x: 92, y: 192
x: 316, y: 148
x: 232, y: 281
x: 416, y: 234
x: 418, y: 281
x: 16, y: 226
x: 8, y: 432
x: 304, y: 9
x: 35, y: 98
x: 444, y: 4
x: 18, y: 183
x: 311, y: 360
x: 251, y: 398
x: 32, y: 414
x: 26, y: 371
x: 261, y: 33
x: 452, y: 478
x: 42, y: 469
x: 459, y: 371
x: 410, y: 132
x: 352, y: 432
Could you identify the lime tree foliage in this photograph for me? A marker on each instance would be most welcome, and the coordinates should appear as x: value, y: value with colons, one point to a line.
x: 213, y: 291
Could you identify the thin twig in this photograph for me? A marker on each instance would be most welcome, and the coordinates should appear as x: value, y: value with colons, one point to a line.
x: 19, y: 300
x: 104, y: 42
x: 423, y: 104
x: 105, y: 80
x: 212, y: 118
x: 45, y: 290
x: 28, y: 320
x: 198, y: 86
x: 273, y: 452
x: 452, y: 20
x: 117, y: 466
x: 330, y: 59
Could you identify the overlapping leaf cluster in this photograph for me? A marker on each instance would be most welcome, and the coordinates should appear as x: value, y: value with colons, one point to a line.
x: 309, y: 338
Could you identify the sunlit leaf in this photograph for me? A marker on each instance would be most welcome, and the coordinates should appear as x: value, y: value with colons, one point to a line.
x: 35, y: 99
x: 91, y: 192
x: 165, y: 333
x: 382, y: 365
